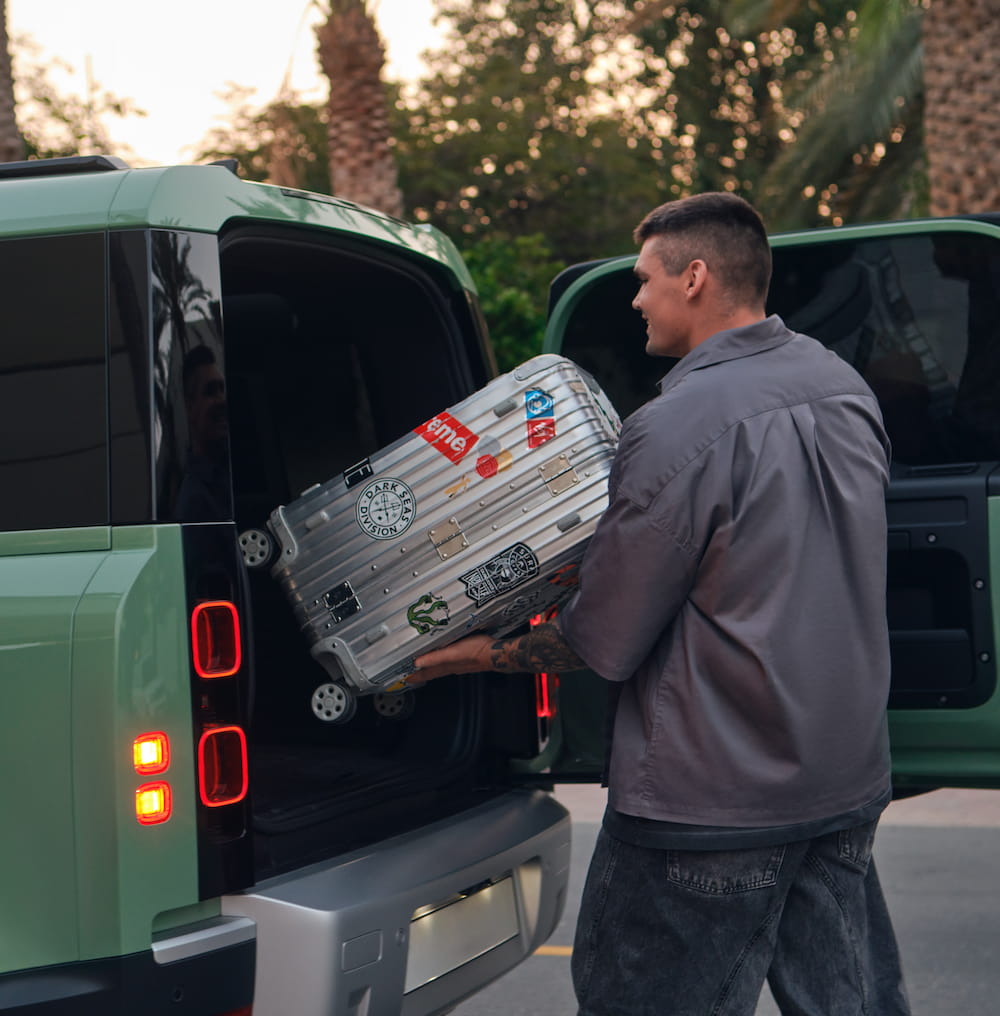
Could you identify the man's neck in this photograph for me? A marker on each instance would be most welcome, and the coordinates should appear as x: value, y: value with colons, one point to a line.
x: 740, y: 317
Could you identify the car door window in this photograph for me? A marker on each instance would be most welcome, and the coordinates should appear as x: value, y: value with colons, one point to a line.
x: 919, y: 317
x: 53, y: 383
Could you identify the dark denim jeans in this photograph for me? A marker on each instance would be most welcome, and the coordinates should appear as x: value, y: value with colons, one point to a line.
x: 696, y: 933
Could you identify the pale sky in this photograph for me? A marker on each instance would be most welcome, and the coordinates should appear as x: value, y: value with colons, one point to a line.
x: 175, y: 58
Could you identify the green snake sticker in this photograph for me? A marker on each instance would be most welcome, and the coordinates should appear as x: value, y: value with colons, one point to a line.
x: 428, y: 613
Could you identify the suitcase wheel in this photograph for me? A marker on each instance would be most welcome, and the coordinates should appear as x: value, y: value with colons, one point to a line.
x: 394, y: 705
x: 333, y: 703
x: 257, y: 547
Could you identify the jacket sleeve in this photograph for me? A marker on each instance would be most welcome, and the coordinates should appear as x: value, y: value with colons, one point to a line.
x: 634, y: 578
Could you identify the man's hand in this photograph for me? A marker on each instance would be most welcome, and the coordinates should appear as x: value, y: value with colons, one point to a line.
x: 542, y: 648
x: 467, y: 656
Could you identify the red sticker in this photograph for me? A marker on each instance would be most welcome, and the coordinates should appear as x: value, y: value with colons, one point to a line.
x: 451, y: 438
x: 540, y: 431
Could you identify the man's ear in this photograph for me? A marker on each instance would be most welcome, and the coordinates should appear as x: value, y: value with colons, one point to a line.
x: 695, y: 276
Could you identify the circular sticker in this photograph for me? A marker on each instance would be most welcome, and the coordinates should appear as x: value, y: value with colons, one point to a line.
x: 385, y: 508
x: 486, y: 465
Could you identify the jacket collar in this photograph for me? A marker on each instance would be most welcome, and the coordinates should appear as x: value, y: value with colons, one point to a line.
x: 730, y: 344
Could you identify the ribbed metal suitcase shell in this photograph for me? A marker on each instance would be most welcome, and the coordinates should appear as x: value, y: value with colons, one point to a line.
x: 473, y: 522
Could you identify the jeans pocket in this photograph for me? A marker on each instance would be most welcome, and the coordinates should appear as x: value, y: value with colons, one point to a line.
x: 854, y: 845
x: 723, y: 872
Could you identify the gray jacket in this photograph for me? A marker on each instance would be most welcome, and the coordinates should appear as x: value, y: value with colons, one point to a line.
x: 736, y: 585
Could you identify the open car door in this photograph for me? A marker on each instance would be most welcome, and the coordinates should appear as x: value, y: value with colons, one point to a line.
x: 915, y: 308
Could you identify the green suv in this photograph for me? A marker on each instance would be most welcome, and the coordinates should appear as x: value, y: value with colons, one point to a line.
x: 182, y: 832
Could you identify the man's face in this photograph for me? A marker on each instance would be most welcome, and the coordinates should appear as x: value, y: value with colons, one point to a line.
x: 206, y: 406
x: 661, y: 301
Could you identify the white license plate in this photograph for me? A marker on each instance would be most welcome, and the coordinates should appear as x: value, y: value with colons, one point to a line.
x: 455, y: 933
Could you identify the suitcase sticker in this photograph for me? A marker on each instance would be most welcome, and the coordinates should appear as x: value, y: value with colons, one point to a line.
x: 475, y: 521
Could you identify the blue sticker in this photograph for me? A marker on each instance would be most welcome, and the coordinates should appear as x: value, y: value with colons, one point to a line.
x: 538, y: 403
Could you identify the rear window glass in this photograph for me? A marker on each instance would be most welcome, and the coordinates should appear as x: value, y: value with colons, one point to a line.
x: 53, y: 389
x: 919, y: 317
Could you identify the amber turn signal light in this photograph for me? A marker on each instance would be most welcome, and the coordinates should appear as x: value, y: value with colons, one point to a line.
x: 153, y: 803
x: 151, y: 753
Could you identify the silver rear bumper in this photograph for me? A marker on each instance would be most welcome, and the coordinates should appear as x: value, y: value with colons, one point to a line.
x: 413, y: 924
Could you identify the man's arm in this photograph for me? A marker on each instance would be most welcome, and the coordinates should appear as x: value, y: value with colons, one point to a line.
x: 542, y: 648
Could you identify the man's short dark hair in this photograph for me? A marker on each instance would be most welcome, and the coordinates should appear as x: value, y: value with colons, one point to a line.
x: 722, y: 230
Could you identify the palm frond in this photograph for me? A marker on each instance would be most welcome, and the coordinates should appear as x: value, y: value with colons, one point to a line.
x: 850, y: 107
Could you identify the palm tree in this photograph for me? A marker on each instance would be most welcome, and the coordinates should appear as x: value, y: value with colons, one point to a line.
x: 11, y: 145
x: 812, y: 108
x: 960, y: 41
x: 859, y: 147
x: 362, y: 167
x: 921, y: 73
x: 864, y: 120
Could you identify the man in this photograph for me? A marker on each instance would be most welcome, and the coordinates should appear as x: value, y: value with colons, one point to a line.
x: 204, y: 492
x: 735, y: 590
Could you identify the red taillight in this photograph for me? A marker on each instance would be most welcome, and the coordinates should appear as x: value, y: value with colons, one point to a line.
x: 544, y: 700
x: 222, y: 766
x: 545, y: 684
x: 153, y: 803
x: 215, y: 639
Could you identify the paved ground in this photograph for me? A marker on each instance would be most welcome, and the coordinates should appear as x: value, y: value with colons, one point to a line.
x: 937, y: 857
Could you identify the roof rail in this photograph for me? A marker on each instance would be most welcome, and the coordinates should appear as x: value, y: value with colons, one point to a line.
x: 54, y: 167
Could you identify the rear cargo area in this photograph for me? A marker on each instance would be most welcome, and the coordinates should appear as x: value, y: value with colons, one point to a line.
x: 332, y: 353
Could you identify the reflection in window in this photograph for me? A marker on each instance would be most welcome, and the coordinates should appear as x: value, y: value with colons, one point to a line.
x: 191, y: 432
x: 919, y: 318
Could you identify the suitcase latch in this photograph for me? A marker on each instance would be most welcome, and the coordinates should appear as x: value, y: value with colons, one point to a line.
x: 558, y: 474
x: 342, y: 602
x: 448, y: 539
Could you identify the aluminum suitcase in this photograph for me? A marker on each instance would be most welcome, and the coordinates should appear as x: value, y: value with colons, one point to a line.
x: 475, y: 521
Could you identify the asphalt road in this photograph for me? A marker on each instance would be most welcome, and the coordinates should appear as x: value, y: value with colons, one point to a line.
x: 937, y: 857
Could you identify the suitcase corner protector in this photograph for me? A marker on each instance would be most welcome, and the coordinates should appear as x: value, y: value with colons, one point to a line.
x: 288, y: 548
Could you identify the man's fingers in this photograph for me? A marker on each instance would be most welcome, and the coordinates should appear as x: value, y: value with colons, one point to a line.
x: 423, y: 675
x: 430, y: 666
x: 463, y: 657
x: 429, y: 671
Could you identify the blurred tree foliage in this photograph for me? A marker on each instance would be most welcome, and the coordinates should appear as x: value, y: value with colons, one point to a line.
x: 545, y: 129
x: 512, y: 275
x: 286, y: 130
x: 517, y: 144
x: 57, y: 123
x: 852, y: 147
x: 573, y: 118
x: 522, y: 126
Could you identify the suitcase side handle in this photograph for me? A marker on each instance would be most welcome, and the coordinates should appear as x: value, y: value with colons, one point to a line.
x: 537, y: 364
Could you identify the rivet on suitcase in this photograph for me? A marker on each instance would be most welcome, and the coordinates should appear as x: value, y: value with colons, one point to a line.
x: 473, y: 522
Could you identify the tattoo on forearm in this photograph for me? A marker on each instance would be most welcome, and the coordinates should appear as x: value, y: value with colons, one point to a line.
x: 541, y: 649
